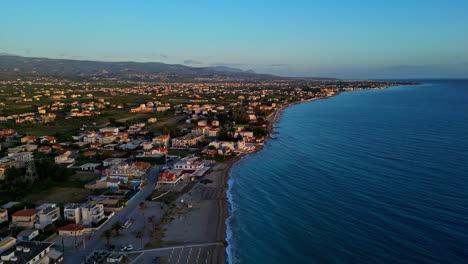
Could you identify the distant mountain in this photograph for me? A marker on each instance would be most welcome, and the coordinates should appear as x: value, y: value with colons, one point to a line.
x: 225, y: 68
x: 230, y: 69
x: 12, y: 67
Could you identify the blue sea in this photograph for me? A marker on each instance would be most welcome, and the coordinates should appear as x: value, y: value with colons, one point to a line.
x: 373, y: 176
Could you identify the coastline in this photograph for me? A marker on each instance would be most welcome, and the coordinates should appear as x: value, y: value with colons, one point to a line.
x: 207, y: 218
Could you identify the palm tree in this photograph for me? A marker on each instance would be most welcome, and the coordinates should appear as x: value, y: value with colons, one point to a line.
x: 107, y: 235
x: 117, y: 226
x: 142, y: 207
x: 139, y: 235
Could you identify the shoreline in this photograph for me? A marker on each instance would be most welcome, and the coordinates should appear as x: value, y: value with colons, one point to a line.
x: 273, y: 118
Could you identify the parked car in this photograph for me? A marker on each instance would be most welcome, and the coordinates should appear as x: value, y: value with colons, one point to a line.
x: 123, y: 248
x: 111, y: 247
x: 130, y: 247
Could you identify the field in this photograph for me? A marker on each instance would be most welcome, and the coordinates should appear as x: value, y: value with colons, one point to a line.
x: 58, y: 195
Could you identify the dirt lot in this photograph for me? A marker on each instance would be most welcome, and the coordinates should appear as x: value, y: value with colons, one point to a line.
x: 59, y: 195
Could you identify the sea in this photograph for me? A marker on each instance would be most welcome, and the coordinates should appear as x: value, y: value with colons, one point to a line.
x: 370, y: 176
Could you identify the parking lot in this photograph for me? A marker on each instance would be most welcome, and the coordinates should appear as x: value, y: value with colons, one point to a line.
x: 179, y: 255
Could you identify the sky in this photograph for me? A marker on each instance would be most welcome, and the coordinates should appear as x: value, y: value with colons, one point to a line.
x: 306, y: 38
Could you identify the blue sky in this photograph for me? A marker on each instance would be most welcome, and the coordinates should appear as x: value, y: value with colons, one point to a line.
x: 345, y: 39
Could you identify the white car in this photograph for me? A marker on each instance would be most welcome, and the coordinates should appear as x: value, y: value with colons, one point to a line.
x: 123, y: 248
x: 130, y: 247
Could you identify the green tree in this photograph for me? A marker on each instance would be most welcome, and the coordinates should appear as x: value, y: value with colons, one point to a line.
x: 117, y: 227
x: 107, y: 235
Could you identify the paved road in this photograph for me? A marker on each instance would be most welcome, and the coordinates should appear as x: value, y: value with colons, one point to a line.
x: 96, y: 241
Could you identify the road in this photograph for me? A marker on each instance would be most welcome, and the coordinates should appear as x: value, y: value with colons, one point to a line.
x: 96, y: 241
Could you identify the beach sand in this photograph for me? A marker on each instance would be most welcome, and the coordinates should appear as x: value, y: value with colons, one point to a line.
x: 204, y: 222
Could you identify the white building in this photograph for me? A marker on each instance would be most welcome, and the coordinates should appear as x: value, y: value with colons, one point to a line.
x: 48, y: 213
x: 84, y: 214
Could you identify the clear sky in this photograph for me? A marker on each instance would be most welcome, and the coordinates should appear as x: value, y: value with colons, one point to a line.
x: 330, y: 38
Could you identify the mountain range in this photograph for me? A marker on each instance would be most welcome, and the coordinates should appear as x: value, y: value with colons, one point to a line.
x: 14, y: 67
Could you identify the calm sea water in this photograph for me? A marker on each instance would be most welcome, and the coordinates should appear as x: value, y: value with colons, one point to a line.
x: 376, y: 176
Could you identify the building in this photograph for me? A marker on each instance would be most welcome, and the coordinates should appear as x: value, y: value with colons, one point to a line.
x: 142, y: 108
x: 94, y: 167
x: 27, y: 234
x: 189, y: 163
x: 71, y: 230
x: 3, y: 215
x: 27, y: 252
x: 108, y: 203
x: 162, y: 140
x: 214, y: 132
x: 188, y: 140
x: 28, y: 139
x: 84, y: 214
x: 169, y: 177
x: 127, y: 171
x: 48, y: 213
x: 109, y: 130
x: 112, y: 161
x: 25, y: 218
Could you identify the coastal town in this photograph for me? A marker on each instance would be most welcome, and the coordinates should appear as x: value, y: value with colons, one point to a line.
x: 131, y: 171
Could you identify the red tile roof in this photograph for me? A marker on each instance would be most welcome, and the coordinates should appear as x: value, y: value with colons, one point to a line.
x: 71, y: 227
x: 142, y: 164
x: 26, y: 212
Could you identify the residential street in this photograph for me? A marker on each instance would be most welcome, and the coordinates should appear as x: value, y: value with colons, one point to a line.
x: 131, y: 210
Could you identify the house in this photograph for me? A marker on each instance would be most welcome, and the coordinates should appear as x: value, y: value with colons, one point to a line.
x: 27, y: 234
x: 89, y: 153
x: 108, y: 203
x: 3, y: 215
x: 147, y: 145
x: 112, y: 161
x: 57, y: 146
x: 109, y: 130
x: 162, y: 140
x: 71, y: 230
x: 51, y: 140
x: 142, y: 108
x: 28, y: 139
x: 190, y: 163
x: 7, y: 132
x: 202, y: 123
x: 64, y: 159
x: 169, y: 177
x: 90, y: 167
x: 48, y: 214
x: 25, y: 218
x: 158, y: 152
x: 84, y: 214
x: 127, y: 171
x: 27, y: 252
x: 106, y: 138
x: 214, y: 132
x: 190, y: 139
x: 45, y: 149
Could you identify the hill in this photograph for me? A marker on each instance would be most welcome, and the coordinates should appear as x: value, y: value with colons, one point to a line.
x: 13, y: 67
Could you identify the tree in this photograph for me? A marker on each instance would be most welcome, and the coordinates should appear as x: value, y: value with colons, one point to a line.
x: 142, y: 207
x: 107, y: 235
x: 139, y: 235
x: 117, y: 227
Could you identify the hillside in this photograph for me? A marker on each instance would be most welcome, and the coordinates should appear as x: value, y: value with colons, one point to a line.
x: 13, y: 67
